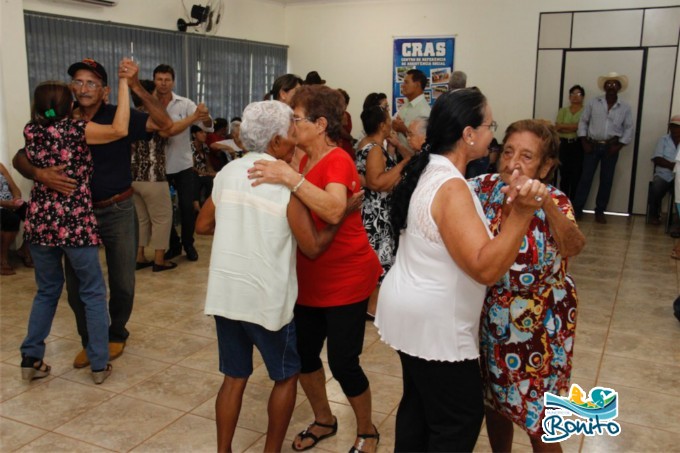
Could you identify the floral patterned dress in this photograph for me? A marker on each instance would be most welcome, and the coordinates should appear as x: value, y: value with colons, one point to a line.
x: 529, y: 317
x: 375, y: 212
x: 54, y: 219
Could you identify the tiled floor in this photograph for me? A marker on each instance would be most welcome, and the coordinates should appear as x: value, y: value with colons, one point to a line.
x: 161, y: 394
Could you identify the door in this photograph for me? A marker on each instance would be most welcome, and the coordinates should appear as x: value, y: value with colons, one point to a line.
x: 583, y: 67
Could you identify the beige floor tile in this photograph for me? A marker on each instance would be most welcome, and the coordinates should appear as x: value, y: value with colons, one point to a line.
x: 128, y: 370
x: 161, y: 314
x: 381, y: 358
x: 589, y: 338
x: 641, y: 346
x: 165, y: 345
x: 641, y: 374
x: 634, y: 407
x: 626, y: 336
x: 653, y: 321
x: 385, y: 392
x: 177, y: 387
x: 585, y: 364
x: 190, y: 434
x: 120, y: 424
x: 53, y: 403
x: 634, y: 438
x: 11, y: 383
x: 197, y: 324
x: 53, y: 442
x: 14, y: 435
x: 206, y: 360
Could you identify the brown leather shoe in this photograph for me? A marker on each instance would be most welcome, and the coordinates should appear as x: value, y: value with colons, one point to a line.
x: 81, y: 360
x: 115, y: 350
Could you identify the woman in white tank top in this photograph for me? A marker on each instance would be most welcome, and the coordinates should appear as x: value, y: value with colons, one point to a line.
x: 431, y: 299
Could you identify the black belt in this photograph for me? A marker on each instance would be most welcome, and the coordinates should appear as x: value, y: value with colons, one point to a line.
x: 569, y: 140
x: 603, y: 142
x: 114, y: 199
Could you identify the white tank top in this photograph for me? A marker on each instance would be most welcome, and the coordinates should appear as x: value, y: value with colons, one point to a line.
x: 428, y: 307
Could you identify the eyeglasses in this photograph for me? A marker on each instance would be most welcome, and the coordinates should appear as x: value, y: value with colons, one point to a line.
x: 297, y: 119
x: 492, y: 126
x: 89, y: 84
x: 576, y: 93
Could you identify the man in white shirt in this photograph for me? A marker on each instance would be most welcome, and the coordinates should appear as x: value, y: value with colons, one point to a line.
x: 178, y: 158
x: 413, y: 87
x: 606, y: 126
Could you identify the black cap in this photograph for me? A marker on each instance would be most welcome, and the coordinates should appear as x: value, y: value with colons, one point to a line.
x: 90, y: 65
x: 313, y: 78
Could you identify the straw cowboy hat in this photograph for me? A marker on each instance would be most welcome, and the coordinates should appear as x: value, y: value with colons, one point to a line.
x: 622, y: 79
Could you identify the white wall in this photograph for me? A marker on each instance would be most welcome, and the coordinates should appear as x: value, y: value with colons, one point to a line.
x: 256, y: 20
x: 350, y: 43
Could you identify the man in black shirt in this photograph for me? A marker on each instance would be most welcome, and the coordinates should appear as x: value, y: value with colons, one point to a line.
x: 111, y: 192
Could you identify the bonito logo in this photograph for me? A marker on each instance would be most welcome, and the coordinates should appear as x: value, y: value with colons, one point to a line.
x: 594, y: 414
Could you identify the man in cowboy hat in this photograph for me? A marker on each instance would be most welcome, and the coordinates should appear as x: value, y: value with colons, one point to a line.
x: 606, y: 125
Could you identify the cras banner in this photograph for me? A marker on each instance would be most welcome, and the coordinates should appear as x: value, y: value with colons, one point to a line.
x: 432, y: 55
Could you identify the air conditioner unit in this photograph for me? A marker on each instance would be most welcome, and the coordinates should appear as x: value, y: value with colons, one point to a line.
x: 99, y: 2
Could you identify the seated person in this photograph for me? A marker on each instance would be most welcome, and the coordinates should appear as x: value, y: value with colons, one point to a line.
x: 221, y: 129
x: 664, y: 163
x: 232, y: 147
x: 12, y: 212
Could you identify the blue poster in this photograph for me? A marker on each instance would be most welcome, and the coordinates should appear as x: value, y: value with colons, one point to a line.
x: 433, y: 56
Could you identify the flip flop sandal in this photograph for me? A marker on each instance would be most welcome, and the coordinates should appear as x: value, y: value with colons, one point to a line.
x: 306, y: 434
x: 362, y: 440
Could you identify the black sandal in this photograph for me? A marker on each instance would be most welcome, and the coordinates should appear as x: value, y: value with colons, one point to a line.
x: 32, y: 368
x: 316, y: 439
x: 363, y: 438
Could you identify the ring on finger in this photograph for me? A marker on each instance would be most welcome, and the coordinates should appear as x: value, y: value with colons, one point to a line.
x: 537, y: 198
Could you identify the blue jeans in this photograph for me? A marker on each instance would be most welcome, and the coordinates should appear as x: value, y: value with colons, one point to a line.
x: 184, y: 182
x: 117, y: 227
x: 49, y: 278
x: 598, y: 156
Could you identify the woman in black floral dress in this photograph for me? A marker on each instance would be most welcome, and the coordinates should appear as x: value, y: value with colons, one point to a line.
x: 59, y: 224
x: 380, y: 172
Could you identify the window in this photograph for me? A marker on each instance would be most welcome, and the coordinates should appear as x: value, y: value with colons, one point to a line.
x: 226, y: 74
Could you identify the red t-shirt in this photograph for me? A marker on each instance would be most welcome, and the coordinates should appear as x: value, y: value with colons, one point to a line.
x: 347, y: 272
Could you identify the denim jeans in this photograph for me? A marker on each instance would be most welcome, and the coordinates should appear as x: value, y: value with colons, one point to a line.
x: 117, y: 227
x: 49, y: 278
x: 184, y: 182
x: 598, y: 156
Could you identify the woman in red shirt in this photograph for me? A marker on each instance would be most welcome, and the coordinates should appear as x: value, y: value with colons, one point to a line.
x: 333, y: 288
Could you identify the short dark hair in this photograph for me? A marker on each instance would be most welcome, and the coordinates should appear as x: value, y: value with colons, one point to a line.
x: 418, y: 76
x: 547, y: 136
x: 344, y: 95
x: 286, y: 83
x: 321, y: 101
x: 372, y: 118
x: 194, y: 129
x: 220, y: 123
x: 52, y: 101
x: 578, y: 87
x: 148, y: 85
x: 165, y: 69
x: 373, y: 99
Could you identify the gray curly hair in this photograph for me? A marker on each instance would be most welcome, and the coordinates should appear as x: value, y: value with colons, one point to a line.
x: 262, y: 121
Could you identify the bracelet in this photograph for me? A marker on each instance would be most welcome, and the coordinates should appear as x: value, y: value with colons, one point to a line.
x: 297, y: 186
